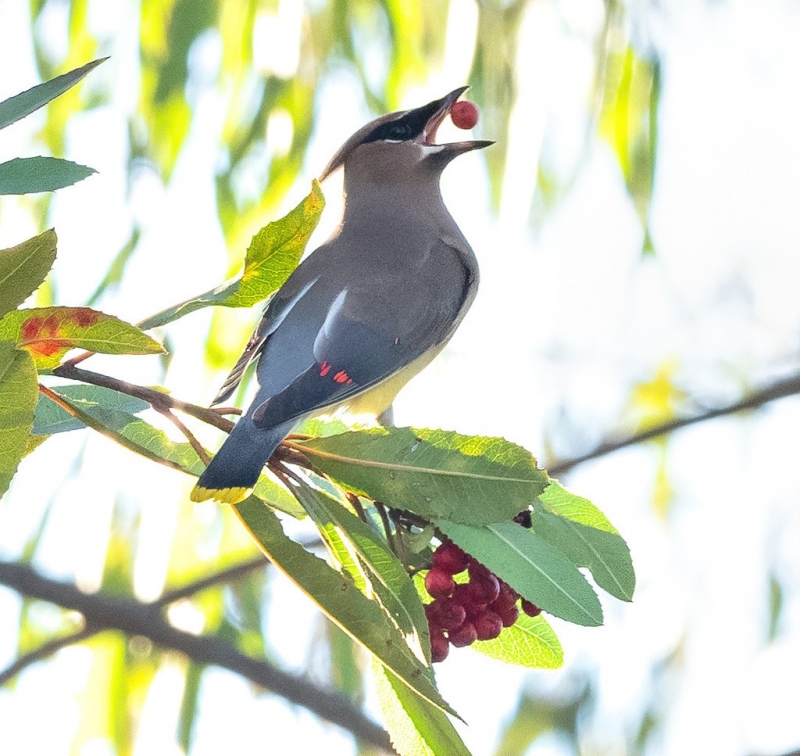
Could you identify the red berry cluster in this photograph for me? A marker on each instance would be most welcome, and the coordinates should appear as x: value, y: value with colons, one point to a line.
x: 462, y: 613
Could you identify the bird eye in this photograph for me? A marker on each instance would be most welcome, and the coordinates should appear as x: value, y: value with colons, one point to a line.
x: 399, y: 131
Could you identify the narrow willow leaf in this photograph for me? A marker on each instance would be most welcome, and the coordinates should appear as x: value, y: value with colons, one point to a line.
x: 52, y: 418
x: 529, y: 642
x: 151, y: 442
x: 532, y: 567
x: 338, y: 597
x: 415, y: 727
x: 385, y: 573
x: 24, y: 267
x: 48, y: 333
x: 32, y: 175
x: 18, y: 390
x: 605, y: 554
x: 432, y: 473
x: 273, y: 254
x: 27, y: 102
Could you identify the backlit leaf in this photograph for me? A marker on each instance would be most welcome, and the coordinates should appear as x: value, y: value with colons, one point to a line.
x: 18, y: 390
x: 432, y: 473
x: 529, y: 642
x: 48, y: 333
x: 532, y: 567
x: 338, y: 597
x: 24, y: 267
x: 273, y: 254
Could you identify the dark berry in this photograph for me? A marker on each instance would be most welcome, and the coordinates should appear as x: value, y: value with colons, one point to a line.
x: 466, y: 635
x: 508, y: 615
x: 448, y: 614
x: 483, y: 587
x: 505, y: 599
x: 530, y: 608
x: 440, y: 646
x: 462, y: 596
x: 488, y: 625
x: 450, y: 558
x: 438, y: 583
x: 524, y: 519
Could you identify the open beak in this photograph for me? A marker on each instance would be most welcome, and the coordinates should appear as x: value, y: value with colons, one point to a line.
x: 442, y: 109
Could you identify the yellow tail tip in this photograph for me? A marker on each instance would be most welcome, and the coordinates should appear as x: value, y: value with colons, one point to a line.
x: 225, y: 495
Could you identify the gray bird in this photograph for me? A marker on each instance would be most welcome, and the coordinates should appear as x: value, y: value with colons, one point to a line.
x: 365, y: 311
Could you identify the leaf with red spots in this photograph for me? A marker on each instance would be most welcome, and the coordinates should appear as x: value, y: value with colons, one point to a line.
x: 18, y: 391
x: 48, y: 333
x: 23, y: 268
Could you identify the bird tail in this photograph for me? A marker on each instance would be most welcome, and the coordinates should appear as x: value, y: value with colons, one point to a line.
x: 234, y: 470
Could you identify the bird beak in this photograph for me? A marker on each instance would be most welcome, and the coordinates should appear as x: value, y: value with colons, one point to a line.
x: 440, y: 109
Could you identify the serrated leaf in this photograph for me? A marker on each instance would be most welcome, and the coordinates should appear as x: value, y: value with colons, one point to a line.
x: 40, y: 174
x: 384, y: 572
x: 338, y: 597
x: 24, y: 267
x: 48, y: 333
x: 564, y: 503
x: 25, y: 103
x: 18, y: 391
x: 151, y: 442
x: 272, y: 255
x: 52, y: 418
x: 415, y: 727
x: 532, y: 567
x: 605, y: 553
x: 432, y: 473
x: 529, y: 642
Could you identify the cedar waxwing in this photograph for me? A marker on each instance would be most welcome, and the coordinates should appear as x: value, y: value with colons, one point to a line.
x: 369, y: 308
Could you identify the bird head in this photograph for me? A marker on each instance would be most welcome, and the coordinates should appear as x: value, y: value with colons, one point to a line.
x: 401, y: 144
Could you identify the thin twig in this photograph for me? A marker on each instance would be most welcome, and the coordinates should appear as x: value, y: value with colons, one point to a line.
x: 104, y: 612
x: 149, y: 395
x: 190, y: 437
x: 44, y: 651
x: 778, y: 390
x: 228, y: 575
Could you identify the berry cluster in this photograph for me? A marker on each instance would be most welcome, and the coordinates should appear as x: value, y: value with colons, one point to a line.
x: 462, y: 613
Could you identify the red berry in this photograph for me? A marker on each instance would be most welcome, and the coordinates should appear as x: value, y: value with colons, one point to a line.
x: 466, y: 635
x: 509, y: 616
x: 438, y: 583
x: 450, y: 558
x: 506, y: 599
x: 462, y: 596
x: 530, y: 608
x: 447, y: 614
x: 484, y: 587
x: 488, y: 625
x: 440, y: 647
x: 464, y: 114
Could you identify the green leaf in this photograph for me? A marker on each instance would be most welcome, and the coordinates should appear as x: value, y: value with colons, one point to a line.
x: 415, y: 727
x: 605, y: 554
x: 529, y: 642
x: 49, y: 333
x: 432, y: 473
x: 52, y: 418
x: 532, y: 567
x: 384, y: 572
x: 40, y: 174
x: 151, y: 442
x: 558, y: 500
x: 24, y: 267
x: 272, y: 255
x: 338, y: 597
x: 25, y: 103
x: 18, y: 390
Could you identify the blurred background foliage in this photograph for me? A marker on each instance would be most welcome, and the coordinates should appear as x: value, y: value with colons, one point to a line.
x: 264, y: 69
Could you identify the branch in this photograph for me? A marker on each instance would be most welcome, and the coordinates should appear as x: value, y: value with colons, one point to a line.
x: 42, y: 652
x: 158, y: 399
x: 104, y: 612
x: 778, y: 390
